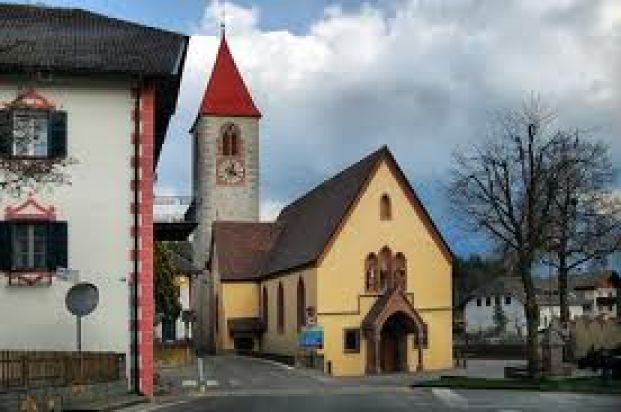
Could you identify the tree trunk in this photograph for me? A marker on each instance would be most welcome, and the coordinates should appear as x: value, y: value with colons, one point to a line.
x: 563, y: 273
x: 531, y: 311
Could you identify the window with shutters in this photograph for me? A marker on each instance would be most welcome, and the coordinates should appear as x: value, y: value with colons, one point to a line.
x: 33, y: 246
x: 33, y: 133
x: 30, y: 133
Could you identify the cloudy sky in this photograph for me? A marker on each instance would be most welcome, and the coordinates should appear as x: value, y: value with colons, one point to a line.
x: 337, y: 79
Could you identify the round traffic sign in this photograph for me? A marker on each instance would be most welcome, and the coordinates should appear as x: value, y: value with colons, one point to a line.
x: 82, y: 299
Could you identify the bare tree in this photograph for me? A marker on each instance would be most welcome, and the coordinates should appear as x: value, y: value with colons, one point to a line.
x: 505, y: 188
x: 587, y: 225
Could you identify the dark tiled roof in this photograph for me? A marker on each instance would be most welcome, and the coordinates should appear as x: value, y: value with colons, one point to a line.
x: 309, y: 222
x: 74, y: 40
x: 241, y: 248
x: 593, y: 280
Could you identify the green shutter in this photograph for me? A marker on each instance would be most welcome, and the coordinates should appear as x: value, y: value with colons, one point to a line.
x: 6, y: 246
x: 6, y: 132
x: 57, y: 246
x: 57, y: 134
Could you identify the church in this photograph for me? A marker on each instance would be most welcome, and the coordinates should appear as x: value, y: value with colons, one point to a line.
x: 353, y: 277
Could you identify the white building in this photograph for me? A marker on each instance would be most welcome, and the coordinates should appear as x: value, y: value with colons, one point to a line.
x: 98, y: 91
x: 507, y: 294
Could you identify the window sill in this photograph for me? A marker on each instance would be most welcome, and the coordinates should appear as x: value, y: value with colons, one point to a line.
x: 29, y: 278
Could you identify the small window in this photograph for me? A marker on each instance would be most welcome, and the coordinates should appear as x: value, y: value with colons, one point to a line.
x: 217, y: 313
x: 371, y: 270
x: 497, y: 300
x: 301, y: 304
x: 424, y: 337
x: 265, y: 308
x: 507, y: 300
x: 281, y: 309
x: 488, y: 301
x: 385, y: 208
x: 478, y: 301
x: 351, y: 341
x: 401, y: 275
x: 385, y: 258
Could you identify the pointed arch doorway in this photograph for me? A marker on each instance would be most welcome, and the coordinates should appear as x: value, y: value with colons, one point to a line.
x: 386, y: 328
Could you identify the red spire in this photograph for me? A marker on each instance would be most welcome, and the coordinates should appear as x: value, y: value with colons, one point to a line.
x: 226, y: 93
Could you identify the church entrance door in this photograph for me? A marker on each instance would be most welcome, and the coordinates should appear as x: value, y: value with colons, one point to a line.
x: 393, y: 345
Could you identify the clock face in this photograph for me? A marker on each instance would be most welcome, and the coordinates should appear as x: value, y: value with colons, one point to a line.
x: 230, y: 171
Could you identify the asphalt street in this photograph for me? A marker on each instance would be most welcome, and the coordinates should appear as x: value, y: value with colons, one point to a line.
x: 245, y: 384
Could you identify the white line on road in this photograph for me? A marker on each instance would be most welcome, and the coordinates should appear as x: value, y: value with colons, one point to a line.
x: 450, y: 398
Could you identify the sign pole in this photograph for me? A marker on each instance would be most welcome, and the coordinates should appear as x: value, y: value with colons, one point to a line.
x: 79, y: 332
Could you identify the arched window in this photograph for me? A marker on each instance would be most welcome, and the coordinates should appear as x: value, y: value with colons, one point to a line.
x: 301, y: 304
x: 217, y: 313
x: 264, y: 308
x: 371, y: 272
x: 230, y: 140
x: 401, y: 275
x: 280, y: 313
x: 385, y: 208
x: 385, y: 262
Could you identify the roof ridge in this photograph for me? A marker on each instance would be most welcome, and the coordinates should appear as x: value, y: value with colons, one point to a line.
x: 90, y: 13
x: 313, y: 190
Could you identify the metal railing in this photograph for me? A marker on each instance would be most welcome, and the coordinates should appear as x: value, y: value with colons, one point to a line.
x: 171, y: 209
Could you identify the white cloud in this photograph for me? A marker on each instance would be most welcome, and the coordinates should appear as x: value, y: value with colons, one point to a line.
x: 421, y: 76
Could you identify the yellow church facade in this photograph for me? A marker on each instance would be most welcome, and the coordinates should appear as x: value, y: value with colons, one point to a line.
x: 357, y: 260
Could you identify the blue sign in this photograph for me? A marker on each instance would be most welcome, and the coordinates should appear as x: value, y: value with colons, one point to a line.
x: 311, y: 337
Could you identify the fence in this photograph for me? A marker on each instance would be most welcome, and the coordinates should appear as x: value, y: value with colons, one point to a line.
x: 491, y: 351
x: 28, y: 369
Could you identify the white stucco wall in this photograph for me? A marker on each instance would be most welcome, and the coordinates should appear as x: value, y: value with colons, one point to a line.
x: 481, y: 318
x: 97, y: 209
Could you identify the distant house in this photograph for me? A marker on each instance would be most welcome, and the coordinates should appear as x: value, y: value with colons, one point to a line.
x: 600, y: 291
x: 100, y: 91
x: 479, y: 307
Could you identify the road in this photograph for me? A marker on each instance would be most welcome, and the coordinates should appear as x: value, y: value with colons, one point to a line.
x: 245, y: 384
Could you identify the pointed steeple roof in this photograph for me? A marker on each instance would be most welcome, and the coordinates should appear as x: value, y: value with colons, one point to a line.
x: 226, y: 93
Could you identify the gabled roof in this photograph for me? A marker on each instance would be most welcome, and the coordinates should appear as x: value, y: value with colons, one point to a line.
x: 78, y: 42
x: 309, y: 223
x: 226, y: 93
x: 74, y: 40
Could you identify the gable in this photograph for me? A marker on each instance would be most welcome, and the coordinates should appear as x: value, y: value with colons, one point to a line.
x: 388, y: 179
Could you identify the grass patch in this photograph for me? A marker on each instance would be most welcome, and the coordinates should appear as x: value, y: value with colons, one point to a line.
x: 579, y: 385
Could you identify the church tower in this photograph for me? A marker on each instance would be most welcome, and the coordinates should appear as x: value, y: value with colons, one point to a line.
x: 226, y: 150
x: 225, y: 172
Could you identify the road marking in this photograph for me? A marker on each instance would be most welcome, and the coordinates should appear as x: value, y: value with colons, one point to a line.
x: 211, y: 383
x: 190, y: 383
x: 450, y: 398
